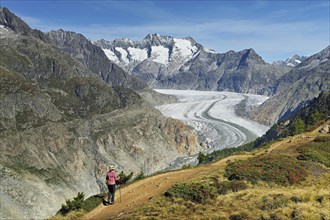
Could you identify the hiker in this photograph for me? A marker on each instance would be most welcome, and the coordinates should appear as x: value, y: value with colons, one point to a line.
x: 111, y: 182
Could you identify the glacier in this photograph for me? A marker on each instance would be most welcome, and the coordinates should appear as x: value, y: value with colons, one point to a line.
x: 212, y: 114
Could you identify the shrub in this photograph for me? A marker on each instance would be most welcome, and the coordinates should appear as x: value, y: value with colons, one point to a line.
x: 202, y: 158
x: 322, y: 139
x: 197, y: 192
x: 74, y: 204
x: 92, y: 202
x: 297, y: 126
x: 296, y: 214
x: 317, y: 151
x: 281, y: 170
x: 273, y: 201
x: 296, y: 199
x: 186, y: 166
x: 239, y: 216
x: 311, y: 156
x: 140, y: 176
x: 124, y: 178
x: 225, y: 187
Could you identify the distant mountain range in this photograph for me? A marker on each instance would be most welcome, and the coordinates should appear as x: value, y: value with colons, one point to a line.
x: 168, y: 62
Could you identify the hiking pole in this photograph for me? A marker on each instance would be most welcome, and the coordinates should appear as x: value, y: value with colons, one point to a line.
x: 120, y: 193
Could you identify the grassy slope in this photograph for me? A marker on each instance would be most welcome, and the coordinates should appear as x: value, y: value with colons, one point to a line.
x: 307, y: 199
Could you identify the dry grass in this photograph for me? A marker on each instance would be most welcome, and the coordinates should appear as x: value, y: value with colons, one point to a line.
x: 71, y: 216
x: 309, y: 200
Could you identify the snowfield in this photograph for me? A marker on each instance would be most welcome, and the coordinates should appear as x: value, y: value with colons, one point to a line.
x: 182, y: 50
x: 212, y: 114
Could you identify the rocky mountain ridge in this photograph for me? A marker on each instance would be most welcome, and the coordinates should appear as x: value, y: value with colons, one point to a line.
x: 62, y: 125
x: 168, y: 51
x: 167, y: 62
x: 296, y: 88
x: 80, y: 48
x: 93, y: 57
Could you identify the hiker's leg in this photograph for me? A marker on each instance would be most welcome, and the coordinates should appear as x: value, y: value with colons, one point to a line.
x: 113, y: 189
x: 109, y: 193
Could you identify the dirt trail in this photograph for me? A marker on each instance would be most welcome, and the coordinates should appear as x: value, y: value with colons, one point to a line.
x: 138, y: 193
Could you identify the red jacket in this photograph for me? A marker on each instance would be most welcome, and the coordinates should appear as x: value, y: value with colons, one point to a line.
x: 112, y: 177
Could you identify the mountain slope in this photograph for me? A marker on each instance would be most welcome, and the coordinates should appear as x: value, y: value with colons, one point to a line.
x: 277, y: 180
x: 167, y: 62
x: 296, y: 88
x: 146, y: 198
x: 10, y: 20
x: 78, y: 47
x: 61, y: 125
x: 93, y: 58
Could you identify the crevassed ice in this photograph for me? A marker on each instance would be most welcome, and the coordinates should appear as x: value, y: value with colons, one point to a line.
x: 223, y: 106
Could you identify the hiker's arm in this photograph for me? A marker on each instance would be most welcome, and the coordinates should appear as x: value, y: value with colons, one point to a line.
x: 117, y: 177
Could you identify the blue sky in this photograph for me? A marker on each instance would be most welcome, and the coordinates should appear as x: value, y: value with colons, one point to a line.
x: 275, y: 29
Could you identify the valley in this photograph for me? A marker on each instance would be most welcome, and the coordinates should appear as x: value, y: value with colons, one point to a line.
x: 212, y: 115
x: 70, y: 107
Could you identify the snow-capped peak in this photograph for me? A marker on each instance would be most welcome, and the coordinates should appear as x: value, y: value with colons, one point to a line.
x: 292, y: 61
x: 183, y: 48
x: 169, y: 51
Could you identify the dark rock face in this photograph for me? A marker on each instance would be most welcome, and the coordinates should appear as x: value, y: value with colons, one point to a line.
x: 79, y: 48
x: 93, y: 57
x: 10, y: 20
x: 295, y: 89
x: 61, y: 125
x: 167, y: 62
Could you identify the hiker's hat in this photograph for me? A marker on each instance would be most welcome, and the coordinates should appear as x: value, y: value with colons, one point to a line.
x: 112, y: 167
